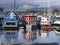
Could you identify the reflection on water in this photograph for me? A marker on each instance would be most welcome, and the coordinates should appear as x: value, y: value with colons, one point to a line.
x: 30, y: 36
x: 43, y: 34
x: 11, y: 36
x: 36, y: 36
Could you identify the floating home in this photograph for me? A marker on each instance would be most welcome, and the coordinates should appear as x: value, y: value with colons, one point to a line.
x: 44, y: 20
x: 10, y: 22
x: 30, y: 20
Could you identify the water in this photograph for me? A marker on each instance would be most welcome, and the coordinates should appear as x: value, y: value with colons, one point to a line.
x: 30, y: 37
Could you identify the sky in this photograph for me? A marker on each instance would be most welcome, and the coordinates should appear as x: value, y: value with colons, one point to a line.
x: 57, y: 2
x: 8, y: 4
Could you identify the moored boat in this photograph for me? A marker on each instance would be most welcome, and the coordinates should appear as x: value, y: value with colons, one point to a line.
x: 57, y: 32
x: 10, y: 22
x: 30, y: 21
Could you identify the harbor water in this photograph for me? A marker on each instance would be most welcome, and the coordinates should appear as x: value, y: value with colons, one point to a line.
x: 30, y: 37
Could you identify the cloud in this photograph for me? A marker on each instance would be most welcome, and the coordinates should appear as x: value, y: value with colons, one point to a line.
x: 28, y: 1
x: 6, y: 1
x: 17, y: 1
x: 8, y: 4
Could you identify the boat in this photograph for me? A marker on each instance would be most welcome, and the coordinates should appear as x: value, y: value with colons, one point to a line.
x: 44, y: 20
x: 57, y: 31
x: 56, y: 20
x: 30, y: 20
x: 10, y: 22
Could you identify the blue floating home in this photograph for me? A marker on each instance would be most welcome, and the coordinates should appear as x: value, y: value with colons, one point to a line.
x: 10, y: 22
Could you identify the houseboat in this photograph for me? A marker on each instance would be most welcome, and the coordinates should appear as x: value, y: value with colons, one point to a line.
x: 56, y: 21
x: 30, y: 20
x: 44, y: 20
x: 10, y: 22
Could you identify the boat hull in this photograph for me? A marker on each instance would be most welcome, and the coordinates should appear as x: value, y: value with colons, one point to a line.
x: 57, y: 32
x: 11, y: 28
x: 55, y: 24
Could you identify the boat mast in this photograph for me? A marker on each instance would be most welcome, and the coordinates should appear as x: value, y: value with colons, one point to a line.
x: 44, y: 9
x: 14, y: 6
x: 49, y: 8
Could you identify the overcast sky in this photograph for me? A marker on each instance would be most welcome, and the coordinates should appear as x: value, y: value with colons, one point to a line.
x: 57, y: 2
x: 32, y: 2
